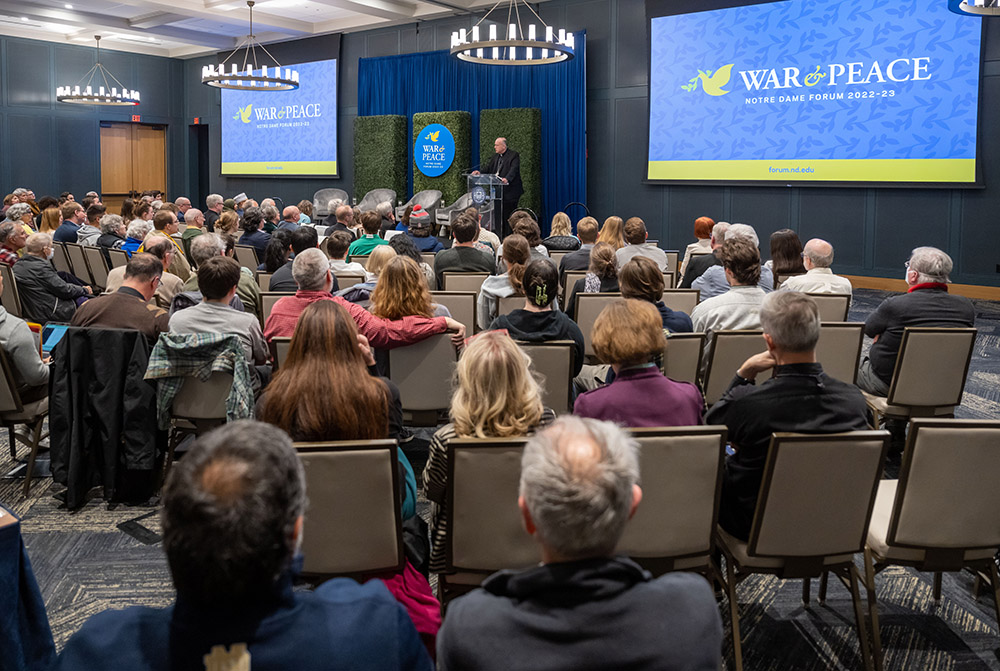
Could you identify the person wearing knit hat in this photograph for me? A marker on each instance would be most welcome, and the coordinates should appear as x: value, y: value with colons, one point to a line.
x: 229, y: 204
x: 420, y: 230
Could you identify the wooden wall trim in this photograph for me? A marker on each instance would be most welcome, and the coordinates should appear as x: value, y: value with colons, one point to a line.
x: 892, y: 284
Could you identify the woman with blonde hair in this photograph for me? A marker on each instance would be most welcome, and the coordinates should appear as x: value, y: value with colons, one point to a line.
x: 601, y: 277
x: 495, y: 396
x: 49, y: 220
x: 628, y: 334
x: 613, y: 232
x: 377, y: 261
x: 401, y: 291
x: 561, y: 238
x: 510, y: 283
x: 227, y: 223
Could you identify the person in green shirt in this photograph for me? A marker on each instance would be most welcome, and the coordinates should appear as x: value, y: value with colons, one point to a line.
x: 195, y: 221
x: 370, y: 222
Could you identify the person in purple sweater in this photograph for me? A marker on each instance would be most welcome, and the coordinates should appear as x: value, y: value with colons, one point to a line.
x: 628, y: 334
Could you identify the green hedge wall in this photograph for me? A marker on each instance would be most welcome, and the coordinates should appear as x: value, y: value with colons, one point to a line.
x: 523, y: 129
x: 451, y: 184
x: 380, y: 153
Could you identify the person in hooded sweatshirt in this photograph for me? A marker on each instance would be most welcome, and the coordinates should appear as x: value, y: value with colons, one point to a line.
x: 538, y: 321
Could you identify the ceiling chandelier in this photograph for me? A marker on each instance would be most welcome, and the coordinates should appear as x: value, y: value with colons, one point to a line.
x: 536, y: 47
x: 975, y: 7
x: 92, y: 93
x: 249, y: 76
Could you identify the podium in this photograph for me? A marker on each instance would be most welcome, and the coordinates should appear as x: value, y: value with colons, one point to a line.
x: 486, y: 192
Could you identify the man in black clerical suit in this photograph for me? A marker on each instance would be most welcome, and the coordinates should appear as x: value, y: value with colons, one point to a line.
x: 506, y: 164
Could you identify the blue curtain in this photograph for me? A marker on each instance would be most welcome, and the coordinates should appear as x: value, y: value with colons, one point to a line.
x: 435, y: 81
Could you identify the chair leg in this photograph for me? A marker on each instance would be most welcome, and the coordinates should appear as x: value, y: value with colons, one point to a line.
x: 937, y: 588
x: 873, y: 610
x: 36, y: 437
x: 734, y: 614
x: 12, y: 441
x: 823, y: 579
x: 806, y: 583
x: 859, y: 616
x: 995, y: 580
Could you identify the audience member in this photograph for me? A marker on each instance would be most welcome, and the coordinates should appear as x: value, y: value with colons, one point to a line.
x: 528, y: 227
x: 786, y: 253
x: 305, y: 211
x: 387, y: 217
x: 302, y: 238
x: 628, y: 335
x: 279, y: 248
x: 170, y: 285
x: 703, y: 241
x: 926, y: 303
x: 401, y: 291
x: 419, y: 229
x: 271, y: 216
x: 713, y: 282
x: 463, y: 256
x: 232, y: 524
x: 209, y: 245
x: 537, y: 321
x: 510, y: 283
x: 561, y: 237
x: 817, y: 257
x: 135, y: 233
x: 128, y: 211
x: 228, y: 223
x: 73, y: 216
x: 128, y: 308
x: 50, y: 219
x: 583, y: 607
x: 370, y: 223
x: 144, y: 211
x: 252, y: 222
x: 112, y: 233
x: 337, y: 246
x: 403, y: 244
x: 636, y: 236
x: 613, y: 233
x: 31, y: 374
x: 22, y: 214
x: 164, y: 226
x: 331, y: 209
x: 213, y: 208
x: 601, y: 277
x: 90, y: 229
x: 495, y: 396
x: 45, y: 296
x: 194, y: 221
x: 183, y: 205
x: 586, y: 230
x: 699, y: 264
x: 798, y: 397
x: 345, y: 221
x: 12, y: 241
x: 377, y: 261
x: 486, y: 237
x: 640, y: 278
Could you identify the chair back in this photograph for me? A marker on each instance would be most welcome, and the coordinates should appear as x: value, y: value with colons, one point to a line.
x: 932, y: 366
x: 10, y: 298
x: 817, y: 494
x: 445, y: 215
x: 97, y: 264
x: 427, y: 199
x: 345, y: 280
x: 682, y: 300
x: 947, y: 495
x: 553, y: 360
x: 10, y: 399
x: 428, y: 258
x: 832, y: 307
x: 60, y: 258
x: 779, y: 279
x: 682, y: 356
x: 839, y: 349
x: 376, y: 196
x: 264, y: 280
x: 203, y: 400
x: 461, y: 305
x: 570, y: 279
x: 557, y: 256
x: 729, y: 350
x: 669, y: 278
x: 247, y: 257
x: 681, y: 471
x: 322, y: 197
x: 485, y: 529
x: 423, y: 371
x: 361, y: 259
x: 463, y: 281
x: 588, y: 306
x: 673, y: 261
x: 508, y: 304
x: 354, y: 522
x: 118, y: 258
x: 268, y: 299
x: 279, y: 346
x: 79, y: 262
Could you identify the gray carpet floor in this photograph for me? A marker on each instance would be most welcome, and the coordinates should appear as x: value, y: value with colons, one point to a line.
x: 99, y: 557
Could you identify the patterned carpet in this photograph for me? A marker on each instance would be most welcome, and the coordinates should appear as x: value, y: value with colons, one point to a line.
x: 96, y: 558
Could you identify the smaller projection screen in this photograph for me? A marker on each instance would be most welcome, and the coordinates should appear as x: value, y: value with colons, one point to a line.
x: 283, y: 133
x: 823, y: 92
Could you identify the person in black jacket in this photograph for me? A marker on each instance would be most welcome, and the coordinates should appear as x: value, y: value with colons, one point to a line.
x: 506, y: 164
x: 45, y: 296
x: 700, y: 264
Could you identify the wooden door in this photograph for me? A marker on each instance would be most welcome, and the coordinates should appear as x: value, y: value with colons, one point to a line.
x: 133, y: 158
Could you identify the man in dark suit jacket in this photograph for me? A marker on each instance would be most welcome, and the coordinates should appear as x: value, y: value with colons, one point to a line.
x: 699, y: 264
x: 506, y: 164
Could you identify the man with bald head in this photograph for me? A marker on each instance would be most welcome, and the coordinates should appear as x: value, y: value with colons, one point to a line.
x: 195, y: 220
x: 289, y: 219
x: 345, y: 221
x: 817, y: 257
x: 183, y: 205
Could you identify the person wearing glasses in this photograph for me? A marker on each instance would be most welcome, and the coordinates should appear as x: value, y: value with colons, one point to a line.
x: 128, y: 308
x: 45, y: 295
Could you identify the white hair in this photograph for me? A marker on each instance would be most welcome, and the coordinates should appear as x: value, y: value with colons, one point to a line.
x: 383, y: 208
x: 309, y: 269
x: 743, y: 231
x: 931, y: 264
x: 139, y: 229
x: 110, y: 223
x: 213, y: 200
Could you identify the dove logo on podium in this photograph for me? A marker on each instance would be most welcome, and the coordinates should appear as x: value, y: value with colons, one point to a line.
x: 434, y: 150
x: 711, y: 82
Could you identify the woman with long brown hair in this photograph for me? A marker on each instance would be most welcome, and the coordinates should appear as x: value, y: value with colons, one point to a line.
x: 401, y: 291
x: 324, y: 391
x: 517, y: 253
x: 601, y: 277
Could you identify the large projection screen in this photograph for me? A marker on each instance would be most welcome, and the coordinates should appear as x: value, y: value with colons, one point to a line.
x: 815, y: 92
x: 283, y: 133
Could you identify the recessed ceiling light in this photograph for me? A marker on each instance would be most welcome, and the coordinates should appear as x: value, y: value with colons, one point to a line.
x: 68, y: 6
x: 24, y: 18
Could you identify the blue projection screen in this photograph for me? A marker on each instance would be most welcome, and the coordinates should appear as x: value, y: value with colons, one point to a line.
x: 800, y: 91
x: 283, y: 133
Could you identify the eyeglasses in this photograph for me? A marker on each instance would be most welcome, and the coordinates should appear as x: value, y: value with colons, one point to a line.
x: 906, y: 265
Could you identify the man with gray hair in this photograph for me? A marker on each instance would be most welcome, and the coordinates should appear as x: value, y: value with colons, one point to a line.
x: 388, y: 214
x: 204, y: 247
x: 183, y: 205
x: 45, y: 296
x: 169, y: 286
x: 583, y: 607
x: 232, y: 519
x: 798, y: 397
x: 112, y: 234
x: 194, y: 226
x: 926, y: 303
x: 271, y: 217
x: 713, y: 282
x: 213, y: 208
x: 699, y: 264
x: 12, y: 240
x: 817, y: 257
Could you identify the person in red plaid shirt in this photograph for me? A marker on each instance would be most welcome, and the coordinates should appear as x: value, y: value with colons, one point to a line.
x: 12, y: 239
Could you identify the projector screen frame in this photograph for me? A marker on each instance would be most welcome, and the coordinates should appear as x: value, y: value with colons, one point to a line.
x: 662, y: 8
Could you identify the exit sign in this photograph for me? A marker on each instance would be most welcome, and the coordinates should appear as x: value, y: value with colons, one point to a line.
x: 136, y: 118
x: 197, y: 120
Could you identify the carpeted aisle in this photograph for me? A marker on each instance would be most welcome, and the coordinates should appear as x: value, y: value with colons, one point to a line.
x: 97, y: 558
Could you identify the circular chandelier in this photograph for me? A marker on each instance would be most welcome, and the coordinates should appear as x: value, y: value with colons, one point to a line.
x: 91, y: 93
x: 519, y: 48
x: 249, y: 76
x: 975, y: 7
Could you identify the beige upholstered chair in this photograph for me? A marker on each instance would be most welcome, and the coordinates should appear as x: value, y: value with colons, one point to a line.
x: 454, y: 281
x: 588, y: 307
x: 97, y: 264
x: 60, y: 259
x: 553, y: 361
x: 778, y: 279
x: 669, y: 278
x: 10, y: 298
x: 247, y: 257
x: 79, y: 263
x: 461, y: 305
x: 279, y: 347
x: 359, y: 258
x: 354, y: 523
x: 682, y: 300
x: 13, y: 412
x: 813, y: 511
x: 508, y: 304
x: 682, y: 356
x: 674, y: 525
x: 729, y: 350
x: 118, y: 258
x: 839, y: 349
x: 930, y: 373
x: 485, y: 530
x: 428, y: 258
x: 423, y: 372
x: 673, y: 261
x: 267, y: 301
x: 832, y: 307
x: 557, y: 256
x: 346, y: 280
x: 198, y: 407
x: 941, y: 515
x: 264, y: 280
x: 570, y: 278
